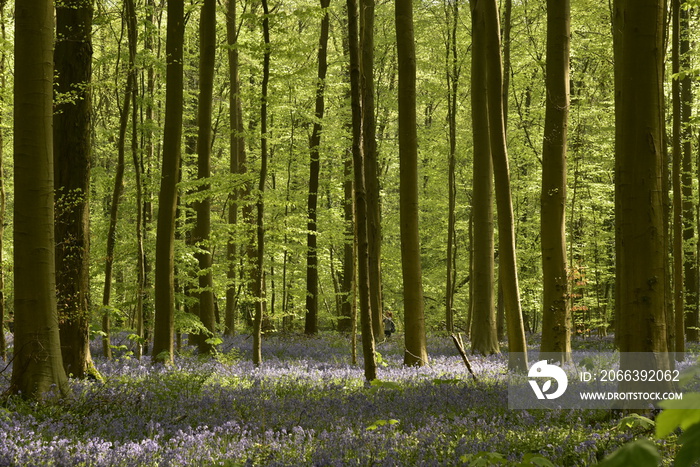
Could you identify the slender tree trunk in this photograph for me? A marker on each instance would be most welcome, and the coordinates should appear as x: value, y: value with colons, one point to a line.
x: 237, y: 167
x: 311, y: 323
x: 146, y: 159
x: 483, y: 327
x: 414, y: 319
x: 3, y: 86
x: 508, y: 271
x: 72, y: 153
x: 167, y: 199
x: 259, y: 276
x: 690, y: 272
x: 640, y: 233
x: 117, y: 192
x: 138, y: 178
x: 201, y: 232
x: 37, y: 363
x: 676, y: 154
x: 347, y: 294
x: 556, y: 315
x: 368, y: 350
x: 507, y: 27
x: 452, y: 73
x: 371, y: 165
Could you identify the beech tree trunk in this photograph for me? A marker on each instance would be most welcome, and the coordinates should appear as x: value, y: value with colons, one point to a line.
x: 237, y: 167
x: 677, y: 212
x: 414, y: 319
x: 311, y: 322
x: 508, y: 270
x: 167, y: 199
x: 37, y: 362
x: 556, y: 315
x: 484, y: 335
x: 3, y: 204
x: 368, y: 349
x: 259, y: 274
x: 641, y: 256
x: 452, y: 72
x: 72, y: 129
x: 690, y: 269
x: 201, y: 232
x: 371, y: 165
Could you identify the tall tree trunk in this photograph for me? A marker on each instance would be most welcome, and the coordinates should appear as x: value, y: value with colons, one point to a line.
x: 37, y: 363
x: 371, y: 165
x: 207, y: 57
x: 508, y: 270
x: 138, y: 179
x: 259, y: 275
x: 452, y: 74
x: 556, y: 315
x: 236, y: 167
x: 3, y: 204
x: 167, y: 199
x: 484, y: 332
x: 690, y: 275
x: 690, y: 270
x: 311, y: 322
x: 639, y: 225
x: 118, y: 189
x: 676, y: 154
x: 368, y: 349
x: 72, y: 153
x: 414, y: 319
x: 507, y: 27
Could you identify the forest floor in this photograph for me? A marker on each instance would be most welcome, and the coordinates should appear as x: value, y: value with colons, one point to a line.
x: 306, y: 405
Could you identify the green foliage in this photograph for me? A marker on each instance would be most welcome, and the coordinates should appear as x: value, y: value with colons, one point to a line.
x: 672, y: 417
x: 634, y: 420
x: 640, y: 453
x: 379, y: 423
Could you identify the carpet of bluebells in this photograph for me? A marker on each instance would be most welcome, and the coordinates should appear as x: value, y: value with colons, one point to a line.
x: 306, y: 405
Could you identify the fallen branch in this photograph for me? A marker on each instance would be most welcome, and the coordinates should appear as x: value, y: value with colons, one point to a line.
x: 457, y: 339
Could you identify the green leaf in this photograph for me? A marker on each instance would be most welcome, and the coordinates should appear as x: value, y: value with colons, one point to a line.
x: 673, y: 416
x: 635, y: 420
x: 689, y: 452
x: 640, y: 453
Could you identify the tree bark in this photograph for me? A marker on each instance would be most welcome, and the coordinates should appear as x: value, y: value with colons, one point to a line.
x: 556, y: 315
x: 371, y: 165
x: 311, y: 322
x: 484, y: 334
x: 452, y: 74
x: 201, y: 232
x: 37, y: 362
x: 259, y: 275
x: 72, y: 153
x: 237, y: 165
x: 368, y: 349
x: 167, y: 199
x: 508, y: 270
x: 690, y: 269
x: 414, y: 319
x: 3, y: 203
x: 677, y: 203
x: 639, y: 199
